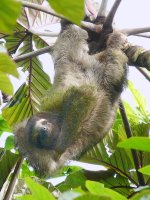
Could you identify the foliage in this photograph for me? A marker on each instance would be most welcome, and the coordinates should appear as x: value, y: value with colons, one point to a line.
x: 120, y: 180
x: 7, y: 67
x: 138, y: 143
x: 13, y: 8
x: 7, y: 162
x: 64, y: 7
x: 38, y: 192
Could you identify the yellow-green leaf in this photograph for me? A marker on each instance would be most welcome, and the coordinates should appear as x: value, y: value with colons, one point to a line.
x: 9, y: 12
x: 98, y: 189
x: 5, y: 84
x: 39, y: 192
x: 145, y: 170
x: 138, y: 143
x: 72, y: 10
x: 7, y: 65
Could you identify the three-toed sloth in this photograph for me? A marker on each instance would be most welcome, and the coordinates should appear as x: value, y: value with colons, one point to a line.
x: 81, y: 106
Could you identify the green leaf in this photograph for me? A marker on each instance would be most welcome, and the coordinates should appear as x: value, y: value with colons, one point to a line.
x: 9, y: 143
x: 7, y: 65
x: 98, y: 188
x: 140, y: 100
x: 38, y: 191
x: 145, y: 170
x: 118, y: 161
x: 7, y: 162
x: 93, y: 197
x: 26, y: 171
x: 5, y: 84
x: 4, y: 126
x: 72, y: 10
x: 94, y: 187
x: 9, y: 12
x: 143, y: 195
x: 138, y: 143
x: 76, y: 179
x: 69, y: 195
x: 27, y: 197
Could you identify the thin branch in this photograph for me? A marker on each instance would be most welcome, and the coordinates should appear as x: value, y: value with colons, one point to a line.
x: 117, y: 170
x: 43, y: 33
x: 32, y: 54
x: 19, y: 43
x: 110, y: 17
x: 129, y: 134
x: 38, y: 7
x: 91, y: 26
x: 135, y: 31
x: 125, y: 120
x: 102, y: 9
x: 12, y: 183
x: 145, y: 72
x: 143, y: 35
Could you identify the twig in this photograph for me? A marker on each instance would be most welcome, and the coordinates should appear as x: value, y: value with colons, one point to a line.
x: 110, y: 17
x: 11, y: 186
x: 145, y: 73
x: 44, y: 33
x: 91, y: 26
x: 32, y: 54
x: 129, y: 134
x: 102, y: 9
x: 142, y: 35
x: 135, y: 31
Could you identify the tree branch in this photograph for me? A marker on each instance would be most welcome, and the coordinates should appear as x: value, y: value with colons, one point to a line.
x: 110, y: 17
x: 44, y: 33
x: 32, y: 54
x: 129, y: 134
x: 142, y: 35
x: 138, y: 56
x: 14, y: 177
x: 101, y: 16
x: 135, y: 31
x: 93, y: 27
x: 102, y: 9
x: 145, y: 72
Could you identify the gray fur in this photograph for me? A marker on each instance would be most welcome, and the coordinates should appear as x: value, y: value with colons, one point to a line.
x: 81, y: 107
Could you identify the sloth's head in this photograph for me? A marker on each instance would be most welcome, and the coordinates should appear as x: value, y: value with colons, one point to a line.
x: 36, y: 139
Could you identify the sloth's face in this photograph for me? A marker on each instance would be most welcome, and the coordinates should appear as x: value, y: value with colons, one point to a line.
x: 43, y: 131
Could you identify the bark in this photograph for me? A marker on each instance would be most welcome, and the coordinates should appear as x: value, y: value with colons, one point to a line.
x: 129, y: 134
x: 145, y: 73
x: 13, y: 180
x: 103, y: 8
x: 32, y: 54
x: 135, y: 31
x: 142, y: 35
x: 110, y: 17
